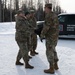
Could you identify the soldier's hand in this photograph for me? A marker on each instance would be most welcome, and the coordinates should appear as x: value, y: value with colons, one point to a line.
x: 35, y: 31
x: 41, y: 38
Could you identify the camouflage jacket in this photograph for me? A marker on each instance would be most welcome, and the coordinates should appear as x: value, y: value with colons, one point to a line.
x: 22, y: 29
x: 51, y: 26
x: 33, y: 24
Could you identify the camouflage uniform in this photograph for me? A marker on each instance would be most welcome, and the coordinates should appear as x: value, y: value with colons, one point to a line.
x: 51, y: 31
x: 32, y: 21
x: 22, y: 37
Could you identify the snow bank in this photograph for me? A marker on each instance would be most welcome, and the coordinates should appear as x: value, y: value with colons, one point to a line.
x: 7, y: 28
x: 9, y: 50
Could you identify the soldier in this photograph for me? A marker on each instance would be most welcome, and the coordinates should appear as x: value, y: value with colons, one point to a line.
x: 21, y: 37
x: 32, y: 21
x: 51, y: 32
x: 30, y: 47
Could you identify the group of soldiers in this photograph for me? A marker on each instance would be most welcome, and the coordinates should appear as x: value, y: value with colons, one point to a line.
x: 27, y: 39
x: 25, y: 36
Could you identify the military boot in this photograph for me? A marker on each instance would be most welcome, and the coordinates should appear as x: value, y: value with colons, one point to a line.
x: 30, y: 57
x: 28, y: 66
x: 35, y: 52
x: 56, y: 66
x: 50, y: 70
x: 32, y: 53
x: 18, y: 63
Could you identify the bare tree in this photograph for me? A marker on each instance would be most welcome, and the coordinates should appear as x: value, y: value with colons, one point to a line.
x: 30, y: 4
x: 0, y: 9
x: 46, y: 1
x: 17, y: 4
x: 10, y: 10
x: 5, y: 3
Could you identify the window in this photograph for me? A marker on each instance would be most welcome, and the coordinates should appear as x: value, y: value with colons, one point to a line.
x: 62, y: 18
x: 71, y: 19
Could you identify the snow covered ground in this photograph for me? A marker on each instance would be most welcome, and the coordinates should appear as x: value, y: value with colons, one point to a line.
x: 9, y: 49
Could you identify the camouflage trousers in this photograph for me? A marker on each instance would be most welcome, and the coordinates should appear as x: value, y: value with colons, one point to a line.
x: 51, y: 51
x: 34, y: 41
x: 23, y: 50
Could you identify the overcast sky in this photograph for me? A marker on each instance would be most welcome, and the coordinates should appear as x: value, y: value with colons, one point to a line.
x: 68, y: 5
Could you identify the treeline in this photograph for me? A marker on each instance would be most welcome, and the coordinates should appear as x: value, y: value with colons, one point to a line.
x: 8, y: 8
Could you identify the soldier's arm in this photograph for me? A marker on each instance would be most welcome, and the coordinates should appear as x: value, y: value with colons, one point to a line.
x: 55, y: 21
x: 22, y: 25
x: 47, y: 25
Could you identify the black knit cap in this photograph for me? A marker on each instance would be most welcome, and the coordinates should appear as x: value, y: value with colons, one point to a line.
x: 26, y: 13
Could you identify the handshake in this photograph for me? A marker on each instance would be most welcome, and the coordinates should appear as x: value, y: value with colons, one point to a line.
x: 41, y: 39
x: 38, y: 32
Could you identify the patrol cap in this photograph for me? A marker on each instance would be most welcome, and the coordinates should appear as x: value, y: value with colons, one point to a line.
x: 48, y: 5
x: 20, y: 11
x: 26, y: 13
x: 32, y: 11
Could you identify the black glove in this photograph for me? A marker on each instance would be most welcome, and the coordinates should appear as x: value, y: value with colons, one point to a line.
x: 41, y: 38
